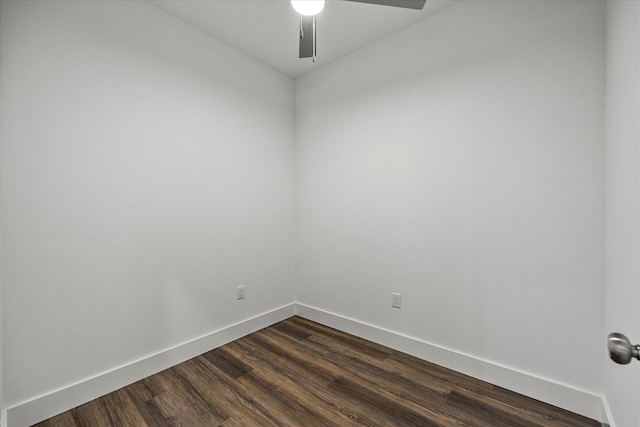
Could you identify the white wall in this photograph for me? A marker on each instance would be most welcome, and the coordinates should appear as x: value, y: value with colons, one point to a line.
x: 147, y: 170
x: 622, y: 382
x: 460, y: 162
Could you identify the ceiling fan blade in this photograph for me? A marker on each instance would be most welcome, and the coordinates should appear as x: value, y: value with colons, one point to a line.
x: 409, y: 4
x: 306, y: 36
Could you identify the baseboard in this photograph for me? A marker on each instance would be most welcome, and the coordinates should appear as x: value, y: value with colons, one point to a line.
x: 58, y: 401
x: 563, y: 396
x: 607, y: 417
x: 55, y: 402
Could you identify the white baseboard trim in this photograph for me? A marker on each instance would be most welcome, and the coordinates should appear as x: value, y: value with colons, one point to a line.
x: 48, y: 405
x: 560, y: 395
x: 607, y: 416
x: 63, y: 399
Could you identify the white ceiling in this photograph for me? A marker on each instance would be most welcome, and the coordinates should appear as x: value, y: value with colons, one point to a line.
x: 268, y: 30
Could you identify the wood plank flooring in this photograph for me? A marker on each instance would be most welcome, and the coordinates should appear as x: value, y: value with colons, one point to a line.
x: 299, y: 373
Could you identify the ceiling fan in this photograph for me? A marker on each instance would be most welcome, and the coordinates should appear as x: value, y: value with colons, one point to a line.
x: 308, y: 9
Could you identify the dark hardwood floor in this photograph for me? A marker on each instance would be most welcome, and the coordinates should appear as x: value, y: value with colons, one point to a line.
x: 300, y: 373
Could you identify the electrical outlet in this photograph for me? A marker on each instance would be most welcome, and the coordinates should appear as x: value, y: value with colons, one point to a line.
x: 396, y: 300
x: 240, y: 292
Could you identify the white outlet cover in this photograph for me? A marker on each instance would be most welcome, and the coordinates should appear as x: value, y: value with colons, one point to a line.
x: 396, y: 300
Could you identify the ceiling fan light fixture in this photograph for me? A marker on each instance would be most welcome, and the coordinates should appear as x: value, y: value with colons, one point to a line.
x: 308, y: 7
